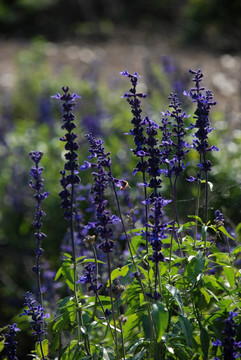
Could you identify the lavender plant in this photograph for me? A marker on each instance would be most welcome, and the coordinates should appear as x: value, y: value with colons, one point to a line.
x: 162, y: 298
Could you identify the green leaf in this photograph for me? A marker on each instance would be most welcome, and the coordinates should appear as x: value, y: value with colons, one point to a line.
x: 136, y: 241
x: 204, y: 232
x: 144, y: 272
x: 80, y: 258
x: 205, y: 294
x: 204, y: 342
x: 186, y: 226
x: 146, y: 326
x: 160, y: 317
x: 176, y: 295
x: 195, y: 265
x: 104, y: 354
x: 45, y: 348
x: 228, y: 271
x: 237, y: 250
x: 91, y: 325
x: 186, y: 329
x: 139, y: 355
x: 224, y: 231
x: 58, y: 274
x: 1, y: 345
x: 67, y: 255
x: 130, y: 324
x: 91, y: 261
x: 118, y: 272
x: 68, y: 273
x: 196, y: 218
x: 64, y: 303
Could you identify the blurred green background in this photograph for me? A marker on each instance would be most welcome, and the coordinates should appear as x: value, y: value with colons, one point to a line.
x: 48, y: 44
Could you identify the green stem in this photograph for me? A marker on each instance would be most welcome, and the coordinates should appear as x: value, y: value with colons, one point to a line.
x: 97, y: 271
x: 79, y: 312
x: 197, y: 212
x: 112, y: 305
x: 108, y: 322
x: 146, y: 207
x: 120, y: 318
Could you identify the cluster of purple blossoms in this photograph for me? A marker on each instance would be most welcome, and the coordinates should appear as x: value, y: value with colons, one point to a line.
x: 37, y: 314
x: 133, y: 98
x: 102, y: 175
x: 181, y: 148
x: 147, y: 146
x: 229, y: 345
x: 37, y: 185
x: 219, y: 217
x: 10, y: 343
x: 90, y: 278
x: 71, y: 146
x: 154, y: 162
x: 202, y: 115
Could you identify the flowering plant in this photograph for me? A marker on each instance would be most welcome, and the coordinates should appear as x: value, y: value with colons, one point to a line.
x: 149, y: 284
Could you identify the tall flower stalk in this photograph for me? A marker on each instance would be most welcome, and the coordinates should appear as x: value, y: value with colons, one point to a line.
x: 104, y: 219
x: 68, y: 181
x: 37, y: 184
x: 204, y: 102
x: 133, y: 98
x: 174, y: 150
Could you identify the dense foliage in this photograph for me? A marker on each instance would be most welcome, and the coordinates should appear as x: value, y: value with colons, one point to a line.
x: 140, y: 277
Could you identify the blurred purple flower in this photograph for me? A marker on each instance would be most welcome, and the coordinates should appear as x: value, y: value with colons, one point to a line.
x: 229, y: 345
x: 10, y: 344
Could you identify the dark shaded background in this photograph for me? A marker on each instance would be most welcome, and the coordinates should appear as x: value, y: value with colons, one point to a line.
x: 215, y: 23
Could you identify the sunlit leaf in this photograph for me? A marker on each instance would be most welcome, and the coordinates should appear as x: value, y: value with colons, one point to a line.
x: 228, y: 271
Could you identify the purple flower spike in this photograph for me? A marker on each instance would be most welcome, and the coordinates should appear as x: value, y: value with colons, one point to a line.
x: 229, y: 345
x: 37, y: 314
x: 37, y: 185
x: 102, y: 175
x: 90, y: 278
x: 133, y: 98
x: 219, y: 216
x: 204, y: 103
x: 10, y: 343
x: 71, y: 146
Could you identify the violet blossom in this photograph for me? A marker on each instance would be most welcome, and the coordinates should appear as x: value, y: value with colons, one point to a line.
x: 10, y: 343
x: 37, y: 314
x: 71, y: 146
x: 204, y: 102
x: 230, y: 347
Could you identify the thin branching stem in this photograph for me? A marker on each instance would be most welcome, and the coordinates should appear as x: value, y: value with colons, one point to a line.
x: 79, y: 312
x: 112, y: 305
